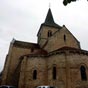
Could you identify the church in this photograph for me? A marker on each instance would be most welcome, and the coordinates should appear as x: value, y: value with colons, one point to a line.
x: 56, y: 59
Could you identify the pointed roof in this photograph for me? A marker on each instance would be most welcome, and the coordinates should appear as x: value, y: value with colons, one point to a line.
x: 49, y: 17
x: 49, y: 21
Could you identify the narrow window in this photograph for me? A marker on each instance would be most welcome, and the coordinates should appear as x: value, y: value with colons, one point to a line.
x: 49, y: 33
x: 64, y: 37
x: 54, y: 72
x: 35, y: 74
x: 83, y: 73
x: 32, y: 49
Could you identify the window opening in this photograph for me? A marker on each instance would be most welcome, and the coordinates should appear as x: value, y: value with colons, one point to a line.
x: 64, y: 37
x: 35, y: 74
x: 32, y: 49
x: 83, y: 73
x: 54, y: 72
x: 49, y: 33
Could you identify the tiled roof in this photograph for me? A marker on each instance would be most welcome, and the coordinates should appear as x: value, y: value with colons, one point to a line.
x: 38, y: 52
x: 43, y: 53
x: 22, y: 44
x: 68, y: 48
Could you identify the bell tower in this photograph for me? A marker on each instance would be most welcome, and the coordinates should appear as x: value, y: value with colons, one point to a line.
x: 47, y: 29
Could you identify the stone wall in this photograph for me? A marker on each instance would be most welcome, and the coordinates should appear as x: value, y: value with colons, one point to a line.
x: 26, y: 73
x: 60, y: 39
x: 75, y: 61
x: 43, y: 35
x: 6, y: 66
x: 67, y: 70
x: 12, y: 62
x: 58, y: 61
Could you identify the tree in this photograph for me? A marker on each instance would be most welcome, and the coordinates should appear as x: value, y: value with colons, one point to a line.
x: 65, y: 2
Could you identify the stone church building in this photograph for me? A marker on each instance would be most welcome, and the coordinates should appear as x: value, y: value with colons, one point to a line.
x: 56, y: 59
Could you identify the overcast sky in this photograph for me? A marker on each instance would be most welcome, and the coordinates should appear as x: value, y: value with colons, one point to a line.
x: 21, y: 19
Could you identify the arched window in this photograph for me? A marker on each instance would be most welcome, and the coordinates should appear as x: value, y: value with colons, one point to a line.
x: 64, y: 37
x: 35, y: 74
x: 54, y: 72
x: 83, y: 73
x: 49, y: 33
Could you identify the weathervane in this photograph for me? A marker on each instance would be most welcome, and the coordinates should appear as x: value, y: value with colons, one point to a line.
x: 49, y: 4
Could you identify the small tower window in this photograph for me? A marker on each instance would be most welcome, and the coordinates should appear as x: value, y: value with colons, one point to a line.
x: 32, y: 49
x: 49, y: 33
x: 83, y: 73
x: 64, y: 37
x: 54, y: 72
x: 35, y: 74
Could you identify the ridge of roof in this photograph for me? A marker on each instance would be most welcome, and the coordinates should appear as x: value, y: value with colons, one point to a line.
x: 23, y: 44
x: 39, y: 52
x: 69, y: 48
x: 44, y: 53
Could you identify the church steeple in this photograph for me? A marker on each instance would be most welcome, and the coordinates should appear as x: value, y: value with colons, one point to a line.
x: 49, y: 21
x: 47, y: 29
x: 49, y: 18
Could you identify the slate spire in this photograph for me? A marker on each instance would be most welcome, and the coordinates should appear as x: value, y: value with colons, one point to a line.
x: 49, y: 18
x: 49, y: 21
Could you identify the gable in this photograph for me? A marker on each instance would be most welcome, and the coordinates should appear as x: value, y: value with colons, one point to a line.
x: 68, y: 37
x: 61, y: 38
x: 67, y: 31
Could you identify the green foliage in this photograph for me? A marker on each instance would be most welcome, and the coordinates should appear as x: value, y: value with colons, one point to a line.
x: 65, y: 2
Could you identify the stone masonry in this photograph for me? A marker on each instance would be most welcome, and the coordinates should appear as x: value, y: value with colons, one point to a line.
x: 56, y: 59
